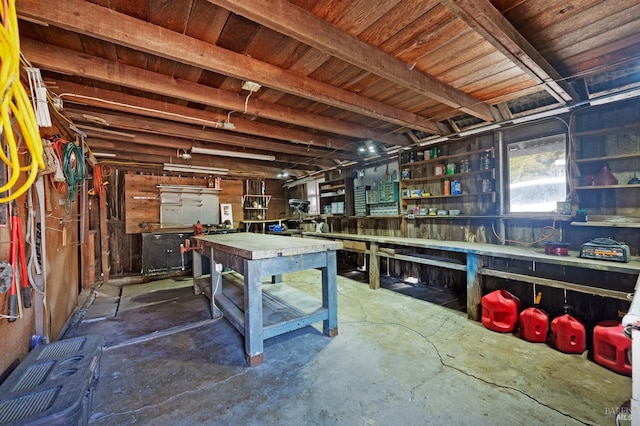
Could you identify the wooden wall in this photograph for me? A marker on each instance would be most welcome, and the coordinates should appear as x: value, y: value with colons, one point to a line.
x: 61, y: 229
x: 133, y: 207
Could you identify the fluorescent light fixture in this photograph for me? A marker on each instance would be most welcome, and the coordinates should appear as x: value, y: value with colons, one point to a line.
x: 187, y: 168
x: 104, y: 154
x: 434, y: 140
x: 543, y: 114
x: 236, y: 154
x: 481, y: 129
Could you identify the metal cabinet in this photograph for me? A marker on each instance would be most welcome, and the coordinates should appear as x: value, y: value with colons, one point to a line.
x: 161, y: 253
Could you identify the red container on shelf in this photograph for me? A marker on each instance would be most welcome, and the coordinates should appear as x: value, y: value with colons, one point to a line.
x: 611, y: 347
x: 534, y: 325
x: 568, y: 334
x: 500, y: 311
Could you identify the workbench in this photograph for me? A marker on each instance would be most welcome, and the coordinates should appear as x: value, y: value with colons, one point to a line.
x: 255, y: 256
x: 478, y: 260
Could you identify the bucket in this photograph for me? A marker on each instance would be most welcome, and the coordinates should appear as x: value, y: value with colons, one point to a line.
x: 534, y: 325
x: 500, y: 311
x: 611, y: 347
x: 568, y: 334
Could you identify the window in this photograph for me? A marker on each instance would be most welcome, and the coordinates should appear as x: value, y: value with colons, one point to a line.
x: 536, y: 173
x: 313, y: 195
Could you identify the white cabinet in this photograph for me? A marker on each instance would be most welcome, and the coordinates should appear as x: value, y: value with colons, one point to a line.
x: 186, y: 205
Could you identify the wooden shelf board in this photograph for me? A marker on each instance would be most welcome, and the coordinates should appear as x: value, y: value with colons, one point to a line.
x: 445, y: 157
x: 607, y: 158
x: 441, y: 177
x: 431, y: 197
x: 586, y: 188
x: 608, y: 131
x: 608, y: 224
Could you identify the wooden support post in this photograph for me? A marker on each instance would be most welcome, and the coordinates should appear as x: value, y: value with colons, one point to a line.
x: 104, y: 242
x: 474, y: 288
x: 374, y: 266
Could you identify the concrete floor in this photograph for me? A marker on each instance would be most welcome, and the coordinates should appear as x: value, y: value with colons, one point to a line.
x: 398, y: 360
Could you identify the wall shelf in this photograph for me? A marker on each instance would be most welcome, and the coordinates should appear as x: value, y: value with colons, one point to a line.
x: 255, y: 206
x: 431, y: 197
x: 593, y: 187
x: 336, y: 197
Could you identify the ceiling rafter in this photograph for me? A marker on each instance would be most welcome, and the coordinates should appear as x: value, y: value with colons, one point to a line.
x: 284, y: 17
x: 484, y: 18
x: 104, y: 23
x: 73, y: 93
x: 70, y: 62
x: 183, y: 131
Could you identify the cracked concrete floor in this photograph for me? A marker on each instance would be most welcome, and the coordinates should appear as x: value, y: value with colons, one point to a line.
x: 397, y: 361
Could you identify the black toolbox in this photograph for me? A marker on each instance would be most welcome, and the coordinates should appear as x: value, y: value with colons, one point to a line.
x: 54, y: 385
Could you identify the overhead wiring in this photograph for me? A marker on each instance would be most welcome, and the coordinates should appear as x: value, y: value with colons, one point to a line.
x: 16, y: 108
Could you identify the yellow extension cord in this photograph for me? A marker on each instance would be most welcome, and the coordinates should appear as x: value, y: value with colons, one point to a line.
x: 15, y: 103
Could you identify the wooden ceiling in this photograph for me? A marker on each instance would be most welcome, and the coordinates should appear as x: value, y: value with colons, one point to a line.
x: 147, y: 80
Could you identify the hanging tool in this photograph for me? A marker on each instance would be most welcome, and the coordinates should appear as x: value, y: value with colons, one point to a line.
x: 17, y: 255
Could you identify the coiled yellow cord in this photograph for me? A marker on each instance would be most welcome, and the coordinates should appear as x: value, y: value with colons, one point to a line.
x: 15, y: 103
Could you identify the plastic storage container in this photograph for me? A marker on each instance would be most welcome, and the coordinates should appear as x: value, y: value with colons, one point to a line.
x: 54, y: 385
x: 611, y: 347
x: 500, y: 311
x: 534, y: 325
x: 568, y: 334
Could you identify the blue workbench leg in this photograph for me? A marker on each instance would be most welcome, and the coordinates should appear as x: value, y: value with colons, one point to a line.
x: 253, y: 342
x: 474, y: 289
x: 330, y: 294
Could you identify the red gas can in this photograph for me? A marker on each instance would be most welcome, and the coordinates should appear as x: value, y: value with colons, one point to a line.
x: 500, y: 311
x: 611, y: 347
x: 568, y: 334
x: 534, y: 325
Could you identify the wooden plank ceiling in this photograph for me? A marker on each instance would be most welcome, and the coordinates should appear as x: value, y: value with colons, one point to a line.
x: 148, y: 80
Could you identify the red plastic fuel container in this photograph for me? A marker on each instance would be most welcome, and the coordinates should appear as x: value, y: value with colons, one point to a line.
x: 611, y: 347
x: 568, y: 334
x: 500, y: 311
x: 534, y: 325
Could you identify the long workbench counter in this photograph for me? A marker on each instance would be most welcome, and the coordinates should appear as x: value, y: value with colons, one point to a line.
x: 478, y: 262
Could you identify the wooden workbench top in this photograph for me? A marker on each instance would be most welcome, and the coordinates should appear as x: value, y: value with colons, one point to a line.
x: 253, y: 246
x: 484, y: 249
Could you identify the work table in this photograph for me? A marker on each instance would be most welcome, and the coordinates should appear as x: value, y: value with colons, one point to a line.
x: 255, y: 256
x: 480, y: 259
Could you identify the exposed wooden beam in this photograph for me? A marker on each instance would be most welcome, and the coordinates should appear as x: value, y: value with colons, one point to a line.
x: 484, y: 18
x: 153, y: 153
x: 286, y: 18
x: 68, y: 61
x: 107, y: 24
x: 73, y: 93
x: 183, y: 131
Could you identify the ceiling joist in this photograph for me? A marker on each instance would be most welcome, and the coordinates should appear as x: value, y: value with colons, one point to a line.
x: 282, y: 16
